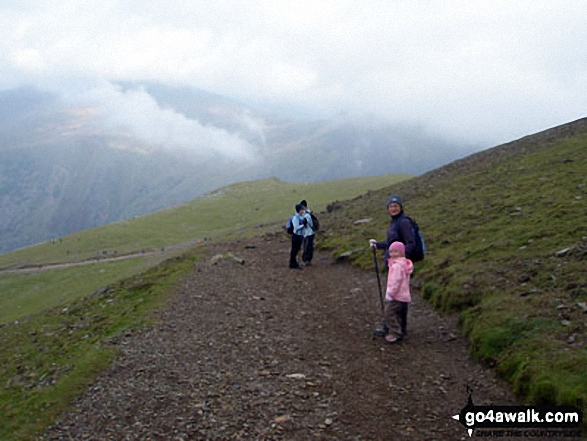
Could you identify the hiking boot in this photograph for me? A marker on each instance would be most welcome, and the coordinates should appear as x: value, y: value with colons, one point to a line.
x: 381, y: 332
x: 392, y: 338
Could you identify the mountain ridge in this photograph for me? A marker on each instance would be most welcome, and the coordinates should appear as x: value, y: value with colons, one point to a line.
x: 132, y: 148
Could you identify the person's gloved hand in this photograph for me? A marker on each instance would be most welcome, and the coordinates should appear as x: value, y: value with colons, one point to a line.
x: 372, y: 243
x: 305, y: 222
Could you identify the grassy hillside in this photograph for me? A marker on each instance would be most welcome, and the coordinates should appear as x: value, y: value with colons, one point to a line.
x: 32, y: 292
x: 507, y: 236
x: 228, y: 211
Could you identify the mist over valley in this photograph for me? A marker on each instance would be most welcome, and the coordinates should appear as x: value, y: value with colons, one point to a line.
x: 122, y: 150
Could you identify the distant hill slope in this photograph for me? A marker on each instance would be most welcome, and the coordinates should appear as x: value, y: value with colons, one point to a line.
x: 66, y: 166
x: 239, y: 209
x: 507, y: 236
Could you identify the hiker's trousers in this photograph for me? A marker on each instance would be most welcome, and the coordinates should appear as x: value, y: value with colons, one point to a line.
x: 296, y: 244
x: 396, y: 316
x: 308, y: 249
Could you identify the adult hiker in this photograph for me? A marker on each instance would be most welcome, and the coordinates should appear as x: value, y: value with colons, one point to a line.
x: 299, y: 223
x: 309, y: 234
x: 400, y: 229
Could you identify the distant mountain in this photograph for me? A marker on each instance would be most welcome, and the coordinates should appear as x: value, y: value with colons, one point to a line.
x: 70, y: 164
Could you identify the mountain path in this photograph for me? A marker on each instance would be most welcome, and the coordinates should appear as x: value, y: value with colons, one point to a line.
x: 170, y: 250
x: 259, y: 351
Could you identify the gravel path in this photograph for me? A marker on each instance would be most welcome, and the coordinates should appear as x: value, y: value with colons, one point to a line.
x: 258, y: 351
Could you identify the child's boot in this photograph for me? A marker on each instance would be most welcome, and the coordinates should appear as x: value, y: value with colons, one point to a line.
x: 382, y: 331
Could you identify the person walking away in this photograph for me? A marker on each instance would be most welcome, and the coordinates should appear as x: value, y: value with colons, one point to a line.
x: 400, y: 229
x: 397, y: 295
x: 309, y: 235
x: 299, y: 223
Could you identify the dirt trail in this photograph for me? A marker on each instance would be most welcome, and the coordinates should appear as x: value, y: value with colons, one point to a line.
x: 258, y: 351
x: 169, y: 250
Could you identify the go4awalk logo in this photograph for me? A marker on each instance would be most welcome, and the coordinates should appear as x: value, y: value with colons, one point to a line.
x: 544, y: 421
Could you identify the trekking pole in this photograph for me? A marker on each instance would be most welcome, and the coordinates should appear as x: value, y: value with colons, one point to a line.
x: 378, y: 279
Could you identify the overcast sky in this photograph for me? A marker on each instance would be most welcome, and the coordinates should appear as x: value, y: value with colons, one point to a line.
x: 475, y: 71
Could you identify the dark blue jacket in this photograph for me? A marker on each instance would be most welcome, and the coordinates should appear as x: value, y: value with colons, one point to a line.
x: 400, y: 230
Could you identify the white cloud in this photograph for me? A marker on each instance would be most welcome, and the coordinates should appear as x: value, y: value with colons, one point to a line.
x: 136, y: 114
x: 483, y: 71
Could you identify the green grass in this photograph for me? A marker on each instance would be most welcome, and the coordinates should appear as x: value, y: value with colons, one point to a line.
x: 31, y: 292
x: 493, y: 224
x: 48, y: 359
x: 233, y: 210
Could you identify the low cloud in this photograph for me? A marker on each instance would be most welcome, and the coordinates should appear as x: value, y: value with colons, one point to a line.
x: 481, y: 72
x: 136, y: 114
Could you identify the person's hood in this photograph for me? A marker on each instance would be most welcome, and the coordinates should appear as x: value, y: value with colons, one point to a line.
x: 405, y: 263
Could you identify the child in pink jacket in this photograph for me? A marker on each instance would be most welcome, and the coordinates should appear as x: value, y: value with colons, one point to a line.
x: 397, y: 296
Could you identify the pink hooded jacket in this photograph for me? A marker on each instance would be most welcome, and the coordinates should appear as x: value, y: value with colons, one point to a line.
x: 398, y: 279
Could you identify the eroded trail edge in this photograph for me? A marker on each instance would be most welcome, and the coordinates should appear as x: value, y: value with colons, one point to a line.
x: 258, y: 351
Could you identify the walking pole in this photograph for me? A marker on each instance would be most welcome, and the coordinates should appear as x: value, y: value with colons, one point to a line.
x: 378, y: 279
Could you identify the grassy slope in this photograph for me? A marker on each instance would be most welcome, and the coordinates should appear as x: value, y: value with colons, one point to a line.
x: 223, y: 212
x: 494, y: 223
x: 32, y: 292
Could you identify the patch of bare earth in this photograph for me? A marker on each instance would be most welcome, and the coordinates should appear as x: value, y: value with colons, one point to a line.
x: 259, y: 351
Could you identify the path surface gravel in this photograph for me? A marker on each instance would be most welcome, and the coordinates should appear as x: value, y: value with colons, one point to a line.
x: 259, y: 351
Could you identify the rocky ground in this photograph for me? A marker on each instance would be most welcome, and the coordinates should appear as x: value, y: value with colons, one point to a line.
x: 259, y: 351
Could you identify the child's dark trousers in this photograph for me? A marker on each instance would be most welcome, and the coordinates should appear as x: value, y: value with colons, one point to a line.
x: 396, y: 317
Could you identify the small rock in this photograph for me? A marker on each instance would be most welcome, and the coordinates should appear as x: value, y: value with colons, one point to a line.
x: 571, y: 339
x: 236, y: 259
x: 328, y: 421
x: 296, y: 376
x: 564, y: 251
x: 346, y: 255
x: 282, y: 419
x: 583, y: 306
x: 565, y: 323
x: 363, y: 221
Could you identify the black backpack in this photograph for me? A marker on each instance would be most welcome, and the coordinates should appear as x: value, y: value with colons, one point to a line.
x: 419, y: 250
x: 289, y: 226
x: 315, y: 222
